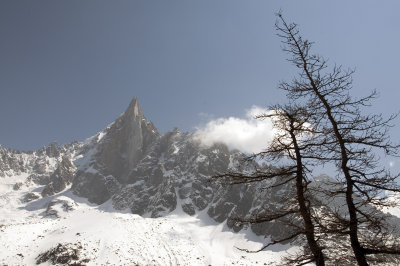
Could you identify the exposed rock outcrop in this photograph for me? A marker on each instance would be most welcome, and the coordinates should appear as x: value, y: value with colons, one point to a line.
x: 122, y: 146
x: 31, y: 196
x: 59, y: 206
x: 60, y: 178
x: 41, y: 162
x: 130, y: 163
x: 63, y: 254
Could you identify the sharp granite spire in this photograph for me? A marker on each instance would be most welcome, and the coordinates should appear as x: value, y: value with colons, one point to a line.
x: 123, y: 146
x: 136, y: 168
x: 133, y: 109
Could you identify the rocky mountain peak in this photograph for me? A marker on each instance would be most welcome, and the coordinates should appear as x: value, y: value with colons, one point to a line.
x: 124, y: 144
x: 136, y: 168
x: 133, y: 109
x: 127, y: 141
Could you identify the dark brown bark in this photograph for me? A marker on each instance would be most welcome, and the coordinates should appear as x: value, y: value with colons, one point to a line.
x: 304, y: 209
x: 359, y: 252
x: 290, y: 121
x: 355, y: 136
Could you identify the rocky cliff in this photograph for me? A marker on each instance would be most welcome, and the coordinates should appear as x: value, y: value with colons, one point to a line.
x: 131, y: 164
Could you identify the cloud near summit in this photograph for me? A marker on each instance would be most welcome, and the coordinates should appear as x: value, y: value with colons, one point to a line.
x: 246, y: 134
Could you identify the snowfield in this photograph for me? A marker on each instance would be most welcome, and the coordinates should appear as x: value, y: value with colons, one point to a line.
x: 64, y: 229
x: 100, y: 235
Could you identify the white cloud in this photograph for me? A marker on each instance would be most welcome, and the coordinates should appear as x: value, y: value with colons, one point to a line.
x: 246, y: 134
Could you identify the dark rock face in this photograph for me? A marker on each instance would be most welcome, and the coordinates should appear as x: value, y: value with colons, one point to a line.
x: 18, y: 185
x: 60, y: 178
x: 39, y: 179
x: 175, y: 169
x: 124, y: 144
x: 38, y: 163
x: 92, y: 186
x: 150, y: 174
x: 63, y: 254
x: 58, y: 205
x: 53, y: 150
x: 31, y: 196
x: 153, y: 174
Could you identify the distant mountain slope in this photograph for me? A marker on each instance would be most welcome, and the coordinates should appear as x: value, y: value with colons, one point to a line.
x: 139, y: 169
x: 130, y: 168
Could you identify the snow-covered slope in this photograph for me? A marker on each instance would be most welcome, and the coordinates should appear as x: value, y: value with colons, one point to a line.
x: 85, y: 199
x: 131, y: 196
x: 66, y: 229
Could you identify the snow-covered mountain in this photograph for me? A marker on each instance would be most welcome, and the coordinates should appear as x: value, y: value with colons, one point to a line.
x: 132, y: 196
x: 129, y: 167
x: 138, y: 169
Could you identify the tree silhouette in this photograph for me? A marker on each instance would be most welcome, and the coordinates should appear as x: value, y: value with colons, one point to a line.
x: 353, y: 140
x: 293, y: 145
x: 341, y: 217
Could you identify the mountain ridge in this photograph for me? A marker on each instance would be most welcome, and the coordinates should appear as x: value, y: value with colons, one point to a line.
x: 135, y: 167
x: 129, y: 167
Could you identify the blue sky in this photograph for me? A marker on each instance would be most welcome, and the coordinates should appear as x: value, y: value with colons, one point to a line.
x: 69, y: 68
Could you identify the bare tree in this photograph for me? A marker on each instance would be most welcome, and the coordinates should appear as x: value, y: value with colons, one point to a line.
x: 294, y: 143
x: 352, y: 144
